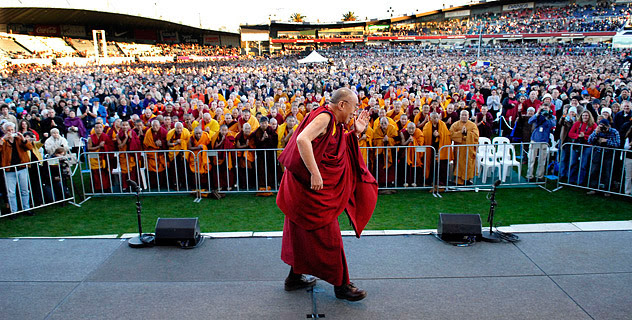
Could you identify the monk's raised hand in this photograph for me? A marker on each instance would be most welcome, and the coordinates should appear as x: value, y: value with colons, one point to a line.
x: 361, y: 122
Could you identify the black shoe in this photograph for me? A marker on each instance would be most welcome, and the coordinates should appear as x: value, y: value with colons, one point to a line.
x: 300, y: 282
x: 13, y: 217
x: 29, y: 213
x: 349, y: 292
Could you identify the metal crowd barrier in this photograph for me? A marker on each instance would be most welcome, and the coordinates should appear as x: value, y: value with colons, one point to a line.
x: 596, y: 168
x: 156, y: 172
x: 239, y: 170
x: 401, y: 167
x: 39, y: 184
x: 496, y: 160
x: 394, y: 167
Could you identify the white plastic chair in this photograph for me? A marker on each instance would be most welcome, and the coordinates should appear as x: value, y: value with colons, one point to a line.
x: 505, y: 159
x: 500, y: 140
x: 487, y: 160
x: 480, y: 151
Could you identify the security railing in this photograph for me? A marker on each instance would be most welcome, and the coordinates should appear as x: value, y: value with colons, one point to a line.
x: 475, y: 166
x: 596, y: 168
x: 450, y: 168
x: 239, y: 170
x: 156, y: 172
x: 37, y: 184
x: 401, y: 167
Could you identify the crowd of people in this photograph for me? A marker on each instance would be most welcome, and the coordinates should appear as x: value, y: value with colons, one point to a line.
x: 159, y: 117
x: 571, y: 18
x: 189, y: 49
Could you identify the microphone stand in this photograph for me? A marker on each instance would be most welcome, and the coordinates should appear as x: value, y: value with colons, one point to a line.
x: 491, y: 236
x: 142, y: 240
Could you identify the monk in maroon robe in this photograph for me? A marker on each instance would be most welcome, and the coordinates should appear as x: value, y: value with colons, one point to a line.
x: 99, y: 163
x: 325, y: 175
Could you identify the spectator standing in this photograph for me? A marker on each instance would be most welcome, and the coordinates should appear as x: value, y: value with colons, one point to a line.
x: 542, y: 122
x: 14, y: 149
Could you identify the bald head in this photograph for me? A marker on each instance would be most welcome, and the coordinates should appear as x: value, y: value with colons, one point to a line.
x: 341, y: 95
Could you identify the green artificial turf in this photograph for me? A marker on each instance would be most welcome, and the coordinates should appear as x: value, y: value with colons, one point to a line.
x: 245, y: 212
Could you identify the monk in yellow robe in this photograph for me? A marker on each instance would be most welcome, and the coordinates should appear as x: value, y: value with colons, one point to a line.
x: 382, y: 114
x: 285, y: 131
x: 246, y: 117
x: 464, y: 132
x: 208, y: 124
x: 437, y: 135
x: 364, y: 142
x: 384, y: 136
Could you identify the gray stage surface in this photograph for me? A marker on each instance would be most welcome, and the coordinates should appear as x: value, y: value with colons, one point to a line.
x: 577, y: 275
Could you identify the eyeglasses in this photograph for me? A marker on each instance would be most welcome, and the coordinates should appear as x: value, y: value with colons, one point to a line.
x: 356, y: 107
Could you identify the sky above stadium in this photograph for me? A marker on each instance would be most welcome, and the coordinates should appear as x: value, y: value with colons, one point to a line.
x: 228, y: 15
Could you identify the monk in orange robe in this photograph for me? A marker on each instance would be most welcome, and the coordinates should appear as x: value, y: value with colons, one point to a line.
x: 154, y: 143
x: 464, y: 132
x: 437, y: 135
x: 384, y: 136
x: 412, y: 137
x: 325, y: 175
x: 198, y: 159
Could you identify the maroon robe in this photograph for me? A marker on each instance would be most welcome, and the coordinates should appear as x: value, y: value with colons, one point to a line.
x: 311, y: 238
x: 100, y: 176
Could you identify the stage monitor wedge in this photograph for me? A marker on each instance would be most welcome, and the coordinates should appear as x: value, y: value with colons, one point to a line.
x: 459, y: 227
x: 183, y: 232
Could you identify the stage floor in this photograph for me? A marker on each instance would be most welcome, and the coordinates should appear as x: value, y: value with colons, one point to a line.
x: 559, y: 275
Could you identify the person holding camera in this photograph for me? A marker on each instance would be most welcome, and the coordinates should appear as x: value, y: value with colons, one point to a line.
x: 542, y: 124
x: 14, y: 149
x: 602, y: 138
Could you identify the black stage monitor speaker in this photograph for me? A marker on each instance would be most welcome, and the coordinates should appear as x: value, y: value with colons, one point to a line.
x: 459, y: 227
x: 184, y: 232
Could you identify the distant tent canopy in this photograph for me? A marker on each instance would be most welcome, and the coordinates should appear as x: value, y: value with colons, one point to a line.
x: 313, y: 57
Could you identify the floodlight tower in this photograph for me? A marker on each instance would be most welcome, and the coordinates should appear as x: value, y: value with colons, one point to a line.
x: 98, y: 38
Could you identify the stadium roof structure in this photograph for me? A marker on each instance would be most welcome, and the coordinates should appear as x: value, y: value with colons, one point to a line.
x: 97, y: 19
x: 298, y: 26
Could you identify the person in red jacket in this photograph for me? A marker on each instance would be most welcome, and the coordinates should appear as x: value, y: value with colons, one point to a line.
x: 325, y: 175
x: 580, y: 153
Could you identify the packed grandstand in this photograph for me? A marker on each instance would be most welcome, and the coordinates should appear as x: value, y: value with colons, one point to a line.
x: 549, y: 89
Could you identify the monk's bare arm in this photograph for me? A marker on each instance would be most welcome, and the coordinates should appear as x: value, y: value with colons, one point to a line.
x: 304, y: 143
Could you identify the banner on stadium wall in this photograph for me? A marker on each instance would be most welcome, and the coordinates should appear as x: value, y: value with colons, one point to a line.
x: 187, y: 38
x: 212, y: 40
x: 458, y: 13
x: 169, y: 36
x: 144, y: 34
x: 73, y: 31
x: 19, y: 28
x: 46, y: 30
x: 518, y: 6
